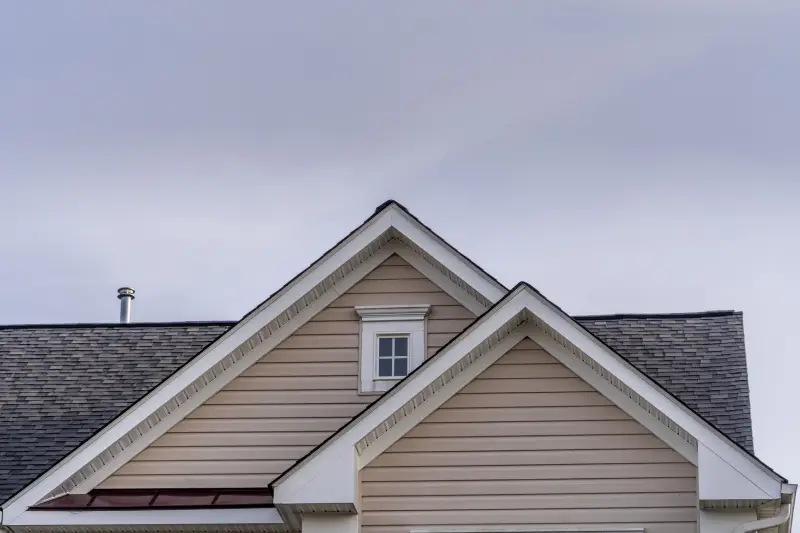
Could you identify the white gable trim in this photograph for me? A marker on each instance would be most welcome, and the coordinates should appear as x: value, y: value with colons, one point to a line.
x: 444, y: 282
x: 167, y: 423
x: 296, y: 303
x: 381, y: 444
x: 658, y: 398
x: 588, y: 352
x: 624, y: 402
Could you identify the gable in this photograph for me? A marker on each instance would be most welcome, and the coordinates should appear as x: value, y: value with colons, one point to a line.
x: 522, y: 311
x: 529, y: 442
x: 329, y: 475
x: 292, y: 399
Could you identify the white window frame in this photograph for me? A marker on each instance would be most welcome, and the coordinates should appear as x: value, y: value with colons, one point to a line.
x: 389, y: 321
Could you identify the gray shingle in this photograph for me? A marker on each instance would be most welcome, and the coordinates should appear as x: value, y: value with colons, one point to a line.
x: 699, y: 358
x: 60, y: 385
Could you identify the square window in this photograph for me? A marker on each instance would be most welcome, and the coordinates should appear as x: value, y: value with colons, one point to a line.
x: 392, y: 357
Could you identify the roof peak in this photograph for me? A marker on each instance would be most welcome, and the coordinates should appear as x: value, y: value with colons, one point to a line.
x: 389, y: 202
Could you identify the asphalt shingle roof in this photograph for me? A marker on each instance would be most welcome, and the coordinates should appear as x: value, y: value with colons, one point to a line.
x: 61, y: 384
x: 697, y: 357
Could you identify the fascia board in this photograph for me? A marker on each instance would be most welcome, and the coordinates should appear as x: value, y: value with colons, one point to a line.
x: 268, y: 515
x: 446, y: 255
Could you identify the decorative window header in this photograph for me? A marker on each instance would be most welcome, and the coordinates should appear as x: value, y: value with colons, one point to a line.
x: 383, y: 313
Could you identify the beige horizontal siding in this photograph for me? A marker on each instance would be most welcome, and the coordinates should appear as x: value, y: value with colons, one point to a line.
x: 652, y: 527
x: 529, y: 444
x: 290, y: 401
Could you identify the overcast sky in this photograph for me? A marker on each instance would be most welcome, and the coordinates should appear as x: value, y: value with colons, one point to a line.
x: 619, y: 156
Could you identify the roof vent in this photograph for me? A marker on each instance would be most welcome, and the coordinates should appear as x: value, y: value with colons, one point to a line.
x: 125, y: 295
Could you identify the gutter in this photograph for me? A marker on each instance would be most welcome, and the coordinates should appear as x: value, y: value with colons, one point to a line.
x: 778, y: 520
x: 784, y: 515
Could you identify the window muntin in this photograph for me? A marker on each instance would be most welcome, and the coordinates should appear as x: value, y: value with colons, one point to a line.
x: 393, y: 357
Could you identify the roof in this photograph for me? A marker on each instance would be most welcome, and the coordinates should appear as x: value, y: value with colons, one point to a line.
x: 62, y: 383
x: 697, y: 357
x: 59, y: 385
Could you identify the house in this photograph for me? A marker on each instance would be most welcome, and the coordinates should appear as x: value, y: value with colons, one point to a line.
x: 391, y: 387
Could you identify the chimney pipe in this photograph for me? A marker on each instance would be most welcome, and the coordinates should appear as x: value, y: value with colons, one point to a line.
x: 125, y: 295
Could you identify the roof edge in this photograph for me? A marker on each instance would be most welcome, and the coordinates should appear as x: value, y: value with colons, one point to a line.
x: 645, y: 316
x: 189, y: 323
x: 129, y: 325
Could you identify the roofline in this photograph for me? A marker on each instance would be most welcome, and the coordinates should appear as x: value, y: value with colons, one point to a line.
x: 78, y: 325
x: 524, y: 284
x: 487, y: 281
x: 645, y: 316
x: 189, y: 323
x: 712, y: 437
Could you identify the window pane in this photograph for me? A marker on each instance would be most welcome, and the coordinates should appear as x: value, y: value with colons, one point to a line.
x: 401, y: 347
x: 400, y: 366
x: 384, y: 368
x: 385, y: 347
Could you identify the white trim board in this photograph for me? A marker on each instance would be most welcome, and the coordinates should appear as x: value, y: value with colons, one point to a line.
x: 391, y: 216
x: 744, y: 472
x: 265, y: 515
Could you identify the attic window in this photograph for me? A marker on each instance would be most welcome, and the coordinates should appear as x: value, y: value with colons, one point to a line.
x: 392, y: 357
x: 392, y: 344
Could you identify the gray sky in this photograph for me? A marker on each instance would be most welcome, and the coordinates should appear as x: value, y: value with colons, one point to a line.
x: 620, y: 156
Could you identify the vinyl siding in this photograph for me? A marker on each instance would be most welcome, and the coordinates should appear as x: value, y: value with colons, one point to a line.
x: 528, y: 443
x: 291, y: 400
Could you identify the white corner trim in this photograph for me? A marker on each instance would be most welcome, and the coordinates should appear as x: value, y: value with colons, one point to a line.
x: 384, y: 313
x: 563, y: 356
x: 437, y: 400
x: 266, y: 515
